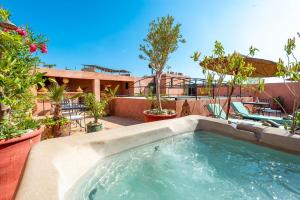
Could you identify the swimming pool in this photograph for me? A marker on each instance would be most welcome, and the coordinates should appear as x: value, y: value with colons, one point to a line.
x: 198, y: 165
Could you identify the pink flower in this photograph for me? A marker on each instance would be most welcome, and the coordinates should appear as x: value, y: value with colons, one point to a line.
x: 32, y: 48
x: 6, y: 30
x: 21, y: 32
x: 43, y: 48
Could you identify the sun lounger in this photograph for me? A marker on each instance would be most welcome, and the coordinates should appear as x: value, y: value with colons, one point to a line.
x: 240, y: 109
x: 217, y: 111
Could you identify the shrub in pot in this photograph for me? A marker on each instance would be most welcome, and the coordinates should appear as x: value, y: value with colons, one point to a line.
x: 155, y: 114
x: 58, y: 125
x: 18, y: 77
x: 55, y: 127
x: 96, y: 109
x: 161, y: 41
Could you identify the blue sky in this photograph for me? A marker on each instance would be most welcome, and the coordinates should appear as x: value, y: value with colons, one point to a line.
x: 108, y: 33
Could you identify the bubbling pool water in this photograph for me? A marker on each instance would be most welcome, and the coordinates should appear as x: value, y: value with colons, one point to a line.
x: 194, y: 166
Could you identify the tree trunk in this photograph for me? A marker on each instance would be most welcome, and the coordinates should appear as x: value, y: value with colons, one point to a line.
x: 57, y: 111
x: 157, y: 80
x: 295, y: 108
x: 229, y: 102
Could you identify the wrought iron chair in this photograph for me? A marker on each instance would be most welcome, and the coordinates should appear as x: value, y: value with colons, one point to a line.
x: 75, y: 112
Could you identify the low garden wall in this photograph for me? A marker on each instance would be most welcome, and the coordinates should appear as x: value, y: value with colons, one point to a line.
x: 133, y: 107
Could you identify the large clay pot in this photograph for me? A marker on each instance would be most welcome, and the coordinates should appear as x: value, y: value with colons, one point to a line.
x: 152, y: 118
x: 13, y: 155
x: 61, y: 130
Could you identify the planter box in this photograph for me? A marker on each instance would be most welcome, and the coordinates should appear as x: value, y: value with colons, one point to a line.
x: 153, y: 118
x: 13, y: 154
x: 90, y: 128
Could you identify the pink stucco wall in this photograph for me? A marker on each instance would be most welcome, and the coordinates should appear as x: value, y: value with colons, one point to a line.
x: 134, y: 107
x: 141, y: 84
x: 271, y: 90
x: 281, y: 90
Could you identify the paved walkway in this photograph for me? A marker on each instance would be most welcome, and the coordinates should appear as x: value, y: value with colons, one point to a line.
x: 109, y: 122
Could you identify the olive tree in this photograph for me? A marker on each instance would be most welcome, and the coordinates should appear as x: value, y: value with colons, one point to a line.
x: 162, y: 40
x: 217, y: 66
x: 289, y: 70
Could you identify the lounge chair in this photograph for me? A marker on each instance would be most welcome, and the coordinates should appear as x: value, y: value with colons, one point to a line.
x: 240, y: 109
x: 217, y: 111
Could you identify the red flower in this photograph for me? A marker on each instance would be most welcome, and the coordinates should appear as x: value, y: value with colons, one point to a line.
x: 6, y: 30
x: 43, y: 48
x: 32, y: 48
x: 21, y: 32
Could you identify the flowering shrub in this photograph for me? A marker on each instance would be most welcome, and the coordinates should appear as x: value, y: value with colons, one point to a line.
x: 18, y: 76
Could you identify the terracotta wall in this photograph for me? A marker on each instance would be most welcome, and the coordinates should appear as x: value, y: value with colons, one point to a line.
x: 140, y: 85
x: 134, y: 107
x: 174, y: 91
x: 223, y: 91
x: 198, y: 107
x: 271, y: 90
x: 86, y: 85
x: 281, y: 90
x: 43, y: 107
x: 122, y: 87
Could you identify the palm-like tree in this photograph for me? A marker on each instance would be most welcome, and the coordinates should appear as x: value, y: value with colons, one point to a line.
x: 56, y: 95
x: 95, y: 107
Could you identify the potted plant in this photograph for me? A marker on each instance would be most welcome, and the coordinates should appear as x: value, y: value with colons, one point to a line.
x: 161, y: 41
x: 96, y: 109
x: 58, y: 125
x: 18, y: 77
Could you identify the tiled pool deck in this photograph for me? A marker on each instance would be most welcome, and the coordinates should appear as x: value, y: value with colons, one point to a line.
x: 109, y: 122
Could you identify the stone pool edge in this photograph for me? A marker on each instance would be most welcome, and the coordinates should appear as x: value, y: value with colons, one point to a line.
x: 53, y: 166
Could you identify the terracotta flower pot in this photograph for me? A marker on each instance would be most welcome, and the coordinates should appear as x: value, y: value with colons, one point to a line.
x: 61, y: 130
x: 13, y: 155
x: 152, y: 118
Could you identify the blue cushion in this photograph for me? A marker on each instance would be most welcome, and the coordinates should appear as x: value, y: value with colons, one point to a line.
x: 217, y: 111
x: 240, y: 108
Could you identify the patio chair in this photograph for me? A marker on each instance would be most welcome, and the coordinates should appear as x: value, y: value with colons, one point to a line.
x: 75, y: 112
x: 217, y: 111
x: 240, y: 109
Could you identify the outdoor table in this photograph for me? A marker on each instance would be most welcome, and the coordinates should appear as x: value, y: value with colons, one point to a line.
x: 258, y: 105
x: 73, y: 111
x: 269, y: 111
x: 73, y: 107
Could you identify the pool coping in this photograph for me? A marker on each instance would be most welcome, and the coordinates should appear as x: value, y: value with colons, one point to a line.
x: 55, y: 165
